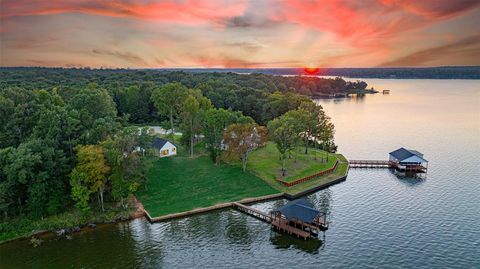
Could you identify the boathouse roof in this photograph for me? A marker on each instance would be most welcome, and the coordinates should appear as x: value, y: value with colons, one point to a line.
x: 299, y: 209
x: 407, y: 155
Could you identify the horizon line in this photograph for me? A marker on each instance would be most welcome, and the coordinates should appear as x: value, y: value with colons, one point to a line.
x: 245, y: 68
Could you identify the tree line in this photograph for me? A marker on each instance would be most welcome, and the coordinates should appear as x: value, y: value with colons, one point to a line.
x: 253, y: 94
x: 57, y: 149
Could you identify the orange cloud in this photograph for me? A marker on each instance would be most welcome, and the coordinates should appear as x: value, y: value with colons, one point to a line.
x: 185, y: 12
x: 236, y: 33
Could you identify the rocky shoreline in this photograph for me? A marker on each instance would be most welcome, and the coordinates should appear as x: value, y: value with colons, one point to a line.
x: 36, y: 236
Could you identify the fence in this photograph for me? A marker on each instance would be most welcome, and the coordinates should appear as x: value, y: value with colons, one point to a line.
x: 301, y: 180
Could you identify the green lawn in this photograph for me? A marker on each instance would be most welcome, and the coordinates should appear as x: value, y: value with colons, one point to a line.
x: 179, y: 184
x: 265, y: 163
x: 339, y: 172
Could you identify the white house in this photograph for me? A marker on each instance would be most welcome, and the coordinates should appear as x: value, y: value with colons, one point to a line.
x: 164, y: 148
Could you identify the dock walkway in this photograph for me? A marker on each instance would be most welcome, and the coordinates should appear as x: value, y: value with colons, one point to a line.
x: 253, y: 212
x: 369, y: 164
x: 386, y: 164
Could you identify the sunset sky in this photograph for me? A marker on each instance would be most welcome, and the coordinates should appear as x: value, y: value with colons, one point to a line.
x: 244, y: 33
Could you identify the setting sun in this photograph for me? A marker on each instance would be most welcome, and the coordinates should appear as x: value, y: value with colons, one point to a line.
x: 312, y: 70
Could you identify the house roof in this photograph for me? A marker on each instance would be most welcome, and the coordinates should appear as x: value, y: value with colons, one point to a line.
x: 299, y: 209
x: 402, y: 154
x: 158, y: 143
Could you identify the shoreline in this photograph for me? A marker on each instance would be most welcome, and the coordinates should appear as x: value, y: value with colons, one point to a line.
x: 284, y: 195
x: 139, y: 211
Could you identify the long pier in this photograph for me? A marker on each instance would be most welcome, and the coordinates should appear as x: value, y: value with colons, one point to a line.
x: 283, y: 224
x: 253, y: 212
x: 387, y: 164
x: 369, y: 164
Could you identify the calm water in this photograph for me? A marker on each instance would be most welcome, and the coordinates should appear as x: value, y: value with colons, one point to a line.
x: 378, y: 219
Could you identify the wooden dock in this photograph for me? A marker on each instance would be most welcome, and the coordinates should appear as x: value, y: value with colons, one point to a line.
x: 283, y: 224
x: 253, y: 212
x: 386, y: 164
x: 369, y: 164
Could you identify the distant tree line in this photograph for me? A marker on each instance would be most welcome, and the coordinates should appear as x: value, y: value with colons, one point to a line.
x: 256, y: 95
x: 440, y: 72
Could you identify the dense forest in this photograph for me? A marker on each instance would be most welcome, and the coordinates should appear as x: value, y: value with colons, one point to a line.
x: 247, y: 93
x: 67, y: 136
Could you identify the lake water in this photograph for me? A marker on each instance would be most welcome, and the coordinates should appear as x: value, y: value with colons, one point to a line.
x: 378, y: 219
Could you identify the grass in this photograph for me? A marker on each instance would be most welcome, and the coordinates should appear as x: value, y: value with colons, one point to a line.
x: 339, y: 172
x: 179, y: 184
x: 265, y: 163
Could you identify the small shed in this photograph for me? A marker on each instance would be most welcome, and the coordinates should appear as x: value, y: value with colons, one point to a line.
x: 163, y: 147
x: 408, y: 159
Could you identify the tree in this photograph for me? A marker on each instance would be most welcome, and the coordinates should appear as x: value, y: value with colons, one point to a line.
x: 326, y: 133
x: 242, y: 138
x: 299, y: 121
x: 127, y: 166
x: 96, y: 113
x: 20, y: 109
x: 311, y: 122
x: 80, y: 192
x: 32, y: 177
x: 193, y: 108
x: 214, y: 124
x: 278, y: 104
x: 283, y: 132
x: 93, y: 103
x: 135, y: 101
x: 92, y: 168
x: 169, y: 100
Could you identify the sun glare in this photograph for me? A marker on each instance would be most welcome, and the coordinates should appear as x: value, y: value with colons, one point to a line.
x: 312, y: 70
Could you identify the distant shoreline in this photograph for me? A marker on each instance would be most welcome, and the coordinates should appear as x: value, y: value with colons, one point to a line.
x: 440, y: 72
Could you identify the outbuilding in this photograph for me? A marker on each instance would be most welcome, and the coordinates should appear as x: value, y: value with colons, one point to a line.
x: 164, y: 148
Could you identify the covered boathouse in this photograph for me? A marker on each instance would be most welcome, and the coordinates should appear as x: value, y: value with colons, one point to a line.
x: 409, y: 160
x: 300, y: 218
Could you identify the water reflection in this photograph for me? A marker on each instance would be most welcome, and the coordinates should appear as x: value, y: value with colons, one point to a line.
x: 409, y: 178
x: 237, y: 230
x: 322, y: 200
x: 285, y: 241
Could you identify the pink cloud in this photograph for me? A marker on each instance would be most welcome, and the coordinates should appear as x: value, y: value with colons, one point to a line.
x: 185, y: 12
x: 243, y: 33
x: 369, y: 23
